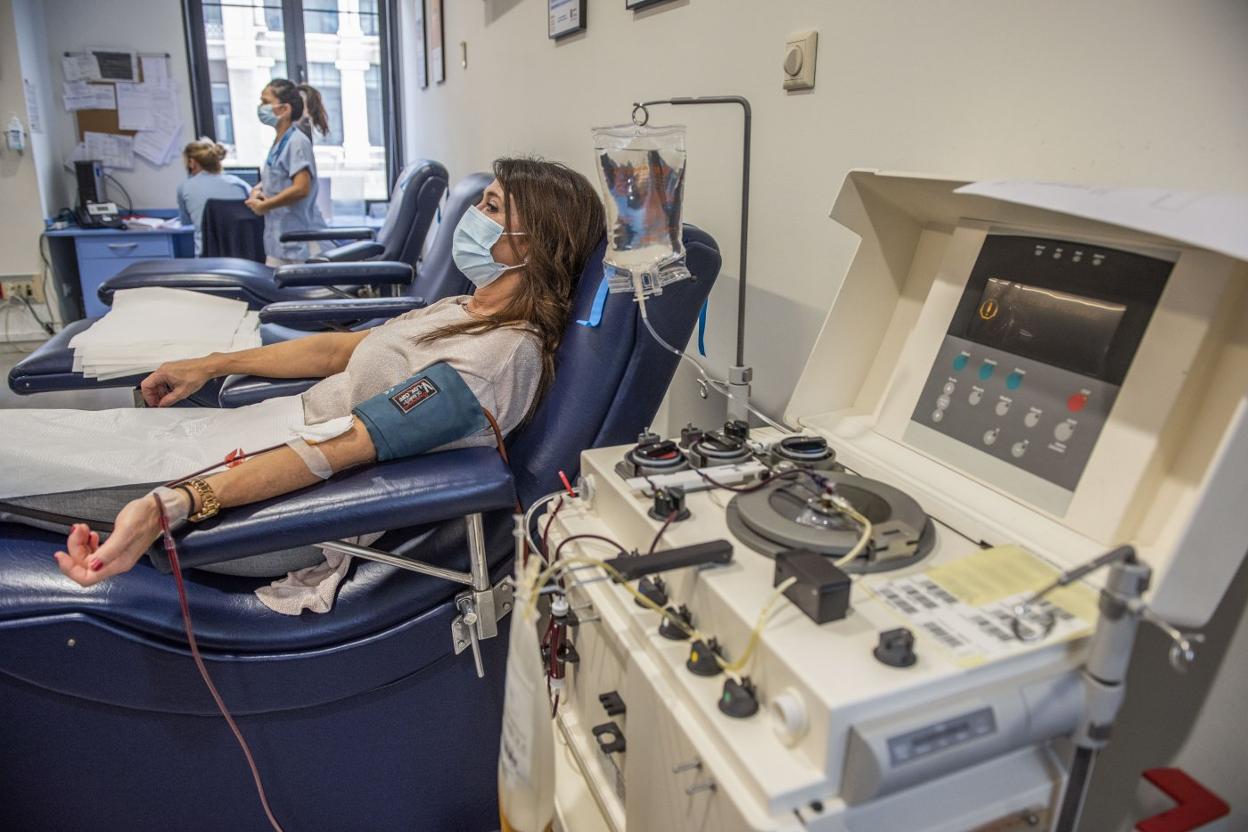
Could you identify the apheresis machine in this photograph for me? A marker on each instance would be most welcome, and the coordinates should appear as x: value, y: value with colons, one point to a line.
x: 1021, y: 434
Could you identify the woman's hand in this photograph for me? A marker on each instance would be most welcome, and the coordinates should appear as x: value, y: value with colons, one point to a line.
x: 174, y: 381
x: 257, y: 190
x: 134, y: 531
x: 257, y: 204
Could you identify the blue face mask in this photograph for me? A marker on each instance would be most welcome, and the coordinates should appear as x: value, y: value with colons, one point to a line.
x: 475, y: 236
x: 264, y: 112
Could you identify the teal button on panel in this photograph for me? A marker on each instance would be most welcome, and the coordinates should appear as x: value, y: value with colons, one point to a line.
x: 985, y: 371
x: 959, y: 363
x: 1013, y: 380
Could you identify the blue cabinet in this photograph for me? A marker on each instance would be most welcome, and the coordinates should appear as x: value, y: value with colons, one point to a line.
x: 98, y: 254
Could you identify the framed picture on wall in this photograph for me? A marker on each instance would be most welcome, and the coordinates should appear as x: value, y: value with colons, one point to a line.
x: 567, y: 17
x: 437, y: 52
x: 420, y: 51
x: 634, y: 5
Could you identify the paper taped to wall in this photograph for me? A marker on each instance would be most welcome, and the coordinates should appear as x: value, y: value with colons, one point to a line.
x: 134, y: 106
x: 79, y: 95
x: 80, y: 66
x: 112, y: 151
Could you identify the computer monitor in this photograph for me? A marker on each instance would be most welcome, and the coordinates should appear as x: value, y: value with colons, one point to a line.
x: 249, y: 175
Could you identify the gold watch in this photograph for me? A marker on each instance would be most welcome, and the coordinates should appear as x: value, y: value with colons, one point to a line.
x: 209, y: 505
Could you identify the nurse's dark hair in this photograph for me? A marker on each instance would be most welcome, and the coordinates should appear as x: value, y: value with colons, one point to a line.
x: 287, y: 92
x: 316, y: 108
x: 564, y: 221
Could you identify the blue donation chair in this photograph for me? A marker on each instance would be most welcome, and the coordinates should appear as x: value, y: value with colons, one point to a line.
x: 50, y: 368
x: 413, y: 205
x: 362, y: 718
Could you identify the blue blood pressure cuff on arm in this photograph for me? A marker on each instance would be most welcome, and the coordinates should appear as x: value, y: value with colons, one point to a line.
x: 430, y: 409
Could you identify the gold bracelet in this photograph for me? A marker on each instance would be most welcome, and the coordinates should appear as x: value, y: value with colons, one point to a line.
x: 209, y: 505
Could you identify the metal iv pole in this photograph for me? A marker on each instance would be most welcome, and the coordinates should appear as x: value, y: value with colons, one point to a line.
x: 739, y: 375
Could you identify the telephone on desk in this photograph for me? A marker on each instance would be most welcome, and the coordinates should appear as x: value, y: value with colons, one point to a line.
x: 99, y: 215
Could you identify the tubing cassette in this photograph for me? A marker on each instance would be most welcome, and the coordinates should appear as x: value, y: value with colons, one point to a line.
x: 651, y: 456
x: 798, y: 510
x: 810, y: 452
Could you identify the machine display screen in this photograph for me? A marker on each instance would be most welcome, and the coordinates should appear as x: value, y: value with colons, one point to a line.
x: 1054, y: 327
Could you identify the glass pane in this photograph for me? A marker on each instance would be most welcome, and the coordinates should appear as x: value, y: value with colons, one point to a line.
x: 246, y: 49
x: 343, y: 46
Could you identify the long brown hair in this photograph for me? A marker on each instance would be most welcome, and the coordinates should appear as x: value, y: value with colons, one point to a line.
x: 564, y: 221
x: 315, y: 108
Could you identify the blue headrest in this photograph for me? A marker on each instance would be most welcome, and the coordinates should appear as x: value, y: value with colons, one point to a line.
x: 437, y: 277
x: 609, y: 379
x: 413, y: 205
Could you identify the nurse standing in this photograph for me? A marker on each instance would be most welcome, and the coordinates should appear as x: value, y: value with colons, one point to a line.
x: 286, y: 195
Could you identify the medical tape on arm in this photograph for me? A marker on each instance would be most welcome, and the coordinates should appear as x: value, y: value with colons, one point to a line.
x: 175, y: 508
x: 313, y: 457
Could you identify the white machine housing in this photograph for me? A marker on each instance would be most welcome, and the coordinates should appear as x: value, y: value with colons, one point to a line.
x: 1169, y: 472
x: 843, y: 743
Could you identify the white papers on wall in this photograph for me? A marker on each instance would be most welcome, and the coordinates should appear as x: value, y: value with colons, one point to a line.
x: 134, y: 106
x: 79, y: 95
x: 80, y: 66
x: 32, y: 106
x: 113, y: 151
x: 158, y: 145
x: 155, y: 68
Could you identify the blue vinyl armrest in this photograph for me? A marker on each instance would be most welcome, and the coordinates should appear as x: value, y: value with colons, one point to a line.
x: 372, y: 273
x: 337, y: 310
x: 379, y: 497
x: 355, y: 232
x: 242, y: 390
x: 351, y: 252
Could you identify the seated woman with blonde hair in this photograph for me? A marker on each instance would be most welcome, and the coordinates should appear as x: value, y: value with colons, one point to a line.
x: 205, y: 181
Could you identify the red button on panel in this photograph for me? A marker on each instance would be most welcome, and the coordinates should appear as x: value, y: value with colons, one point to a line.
x: 1076, y: 402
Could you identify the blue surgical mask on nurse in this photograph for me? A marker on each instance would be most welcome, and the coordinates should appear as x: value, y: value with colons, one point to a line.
x: 265, y: 113
x: 475, y: 236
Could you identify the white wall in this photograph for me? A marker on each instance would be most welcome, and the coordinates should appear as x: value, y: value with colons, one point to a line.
x: 140, y: 25
x: 32, y: 39
x: 1116, y: 91
x: 19, y: 184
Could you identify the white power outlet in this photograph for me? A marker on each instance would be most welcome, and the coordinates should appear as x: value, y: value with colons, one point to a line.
x: 799, y: 60
x: 22, y: 289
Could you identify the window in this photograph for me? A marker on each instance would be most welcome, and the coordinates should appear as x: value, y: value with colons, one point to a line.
x: 344, y: 48
x: 320, y: 17
x: 372, y: 94
x: 222, y: 115
x: 328, y: 81
x: 368, y: 19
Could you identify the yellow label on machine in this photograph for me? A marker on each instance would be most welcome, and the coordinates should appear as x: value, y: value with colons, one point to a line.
x: 992, y: 575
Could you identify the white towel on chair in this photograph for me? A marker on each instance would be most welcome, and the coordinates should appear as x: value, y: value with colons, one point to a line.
x: 313, y: 588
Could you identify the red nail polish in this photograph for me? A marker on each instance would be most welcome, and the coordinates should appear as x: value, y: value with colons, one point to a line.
x: 97, y: 566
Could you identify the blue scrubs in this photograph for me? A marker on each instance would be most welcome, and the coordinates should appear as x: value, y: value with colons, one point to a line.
x: 198, y: 189
x: 289, y: 155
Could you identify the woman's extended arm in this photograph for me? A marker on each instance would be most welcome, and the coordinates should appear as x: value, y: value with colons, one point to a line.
x: 312, y: 356
x: 138, y: 524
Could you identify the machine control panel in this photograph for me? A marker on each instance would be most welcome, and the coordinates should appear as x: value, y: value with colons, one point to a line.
x: 1037, y: 351
x: 941, y: 735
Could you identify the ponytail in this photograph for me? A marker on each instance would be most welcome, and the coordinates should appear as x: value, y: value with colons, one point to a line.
x: 315, y: 108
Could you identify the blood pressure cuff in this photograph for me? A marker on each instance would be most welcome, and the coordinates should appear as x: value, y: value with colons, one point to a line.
x: 427, y: 411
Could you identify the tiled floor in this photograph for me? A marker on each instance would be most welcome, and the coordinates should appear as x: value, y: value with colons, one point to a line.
x: 82, y: 400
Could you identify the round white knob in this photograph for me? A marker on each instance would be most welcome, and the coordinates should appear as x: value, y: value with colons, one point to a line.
x: 788, y: 717
x: 975, y: 397
x: 1032, y: 418
x: 1003, y: 407
x: 1063, y: 431
x: 1018, y: 448
x: 793, y: 61
x: 937, y: 415
x: 990, y: 437
x: 949, y: 388
x: 942, y: 402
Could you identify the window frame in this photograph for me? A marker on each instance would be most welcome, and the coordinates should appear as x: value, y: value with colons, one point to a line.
x: 296, y: 58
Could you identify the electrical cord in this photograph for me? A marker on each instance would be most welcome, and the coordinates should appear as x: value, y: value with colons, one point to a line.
x: 129, y: 203
x: 46, y: 327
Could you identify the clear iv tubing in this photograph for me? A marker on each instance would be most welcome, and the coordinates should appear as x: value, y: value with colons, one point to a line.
x: 715, y: 384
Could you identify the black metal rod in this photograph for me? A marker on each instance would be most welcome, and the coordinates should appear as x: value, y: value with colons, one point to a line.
x: 745, y: 197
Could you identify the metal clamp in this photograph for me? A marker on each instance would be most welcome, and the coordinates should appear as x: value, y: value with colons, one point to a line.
x: 692, y: 765
x: 708, y: 786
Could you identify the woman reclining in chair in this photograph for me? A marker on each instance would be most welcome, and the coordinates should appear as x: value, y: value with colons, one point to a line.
x: 523, y: 246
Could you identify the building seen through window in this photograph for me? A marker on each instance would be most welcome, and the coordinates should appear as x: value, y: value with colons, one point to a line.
x: 248, y: 43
